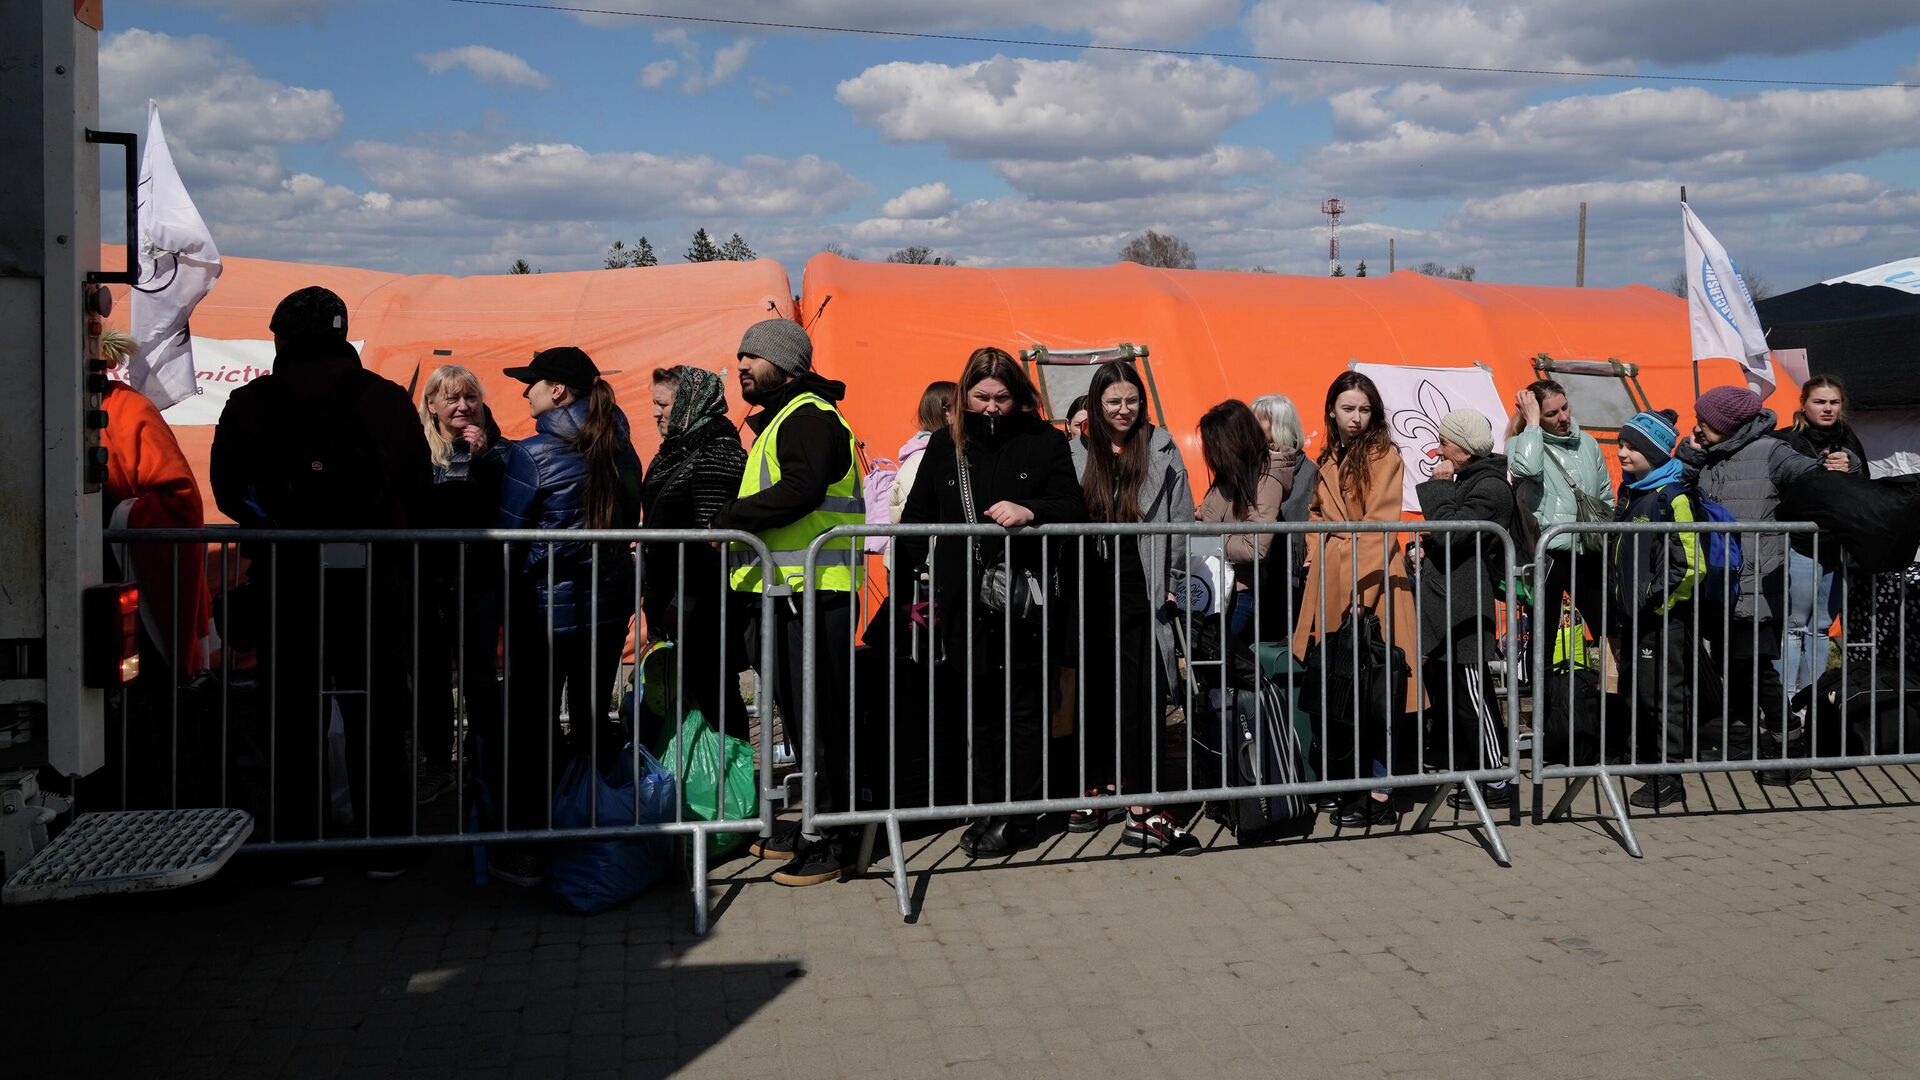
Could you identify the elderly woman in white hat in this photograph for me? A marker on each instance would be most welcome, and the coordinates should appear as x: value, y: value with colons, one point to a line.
x: 1458, y: 634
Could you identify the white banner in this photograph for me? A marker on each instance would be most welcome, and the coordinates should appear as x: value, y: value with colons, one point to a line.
x: 223, y: 366
x: 1719, y: 308
x: 1903, y: 275
x: 1417, y: 399
x: 178, y: 265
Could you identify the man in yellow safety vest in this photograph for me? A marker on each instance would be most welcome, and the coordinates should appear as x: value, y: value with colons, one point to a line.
x: 802, y: 479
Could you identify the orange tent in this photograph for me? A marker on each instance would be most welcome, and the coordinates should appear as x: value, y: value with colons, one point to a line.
x: 889, y: 329
x: 630, y: 321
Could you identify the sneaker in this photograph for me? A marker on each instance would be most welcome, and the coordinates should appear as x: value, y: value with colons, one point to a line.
x: 1092, y: 820
x: 818, y: 862
x: 516, y: 866
x: 1782, y: 777
x: 432, y: 780
x: 1158, y: 832
x: 1659, y: 791
x: 783, y: 845
x: 1497, y: 796
x: 1367, y: 812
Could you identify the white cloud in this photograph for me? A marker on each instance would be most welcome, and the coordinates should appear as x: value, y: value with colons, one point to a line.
x: 547, y: 181
x: 1097, y: 179
x: 925, y: 201
x: 658, y: 74
x: 1687, y: 132
x: 1054, y: 109
x: 490, y: 66
x: 728, y: 61
x: 1112, y: 21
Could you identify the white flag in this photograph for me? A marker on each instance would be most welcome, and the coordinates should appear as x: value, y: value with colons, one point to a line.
x: 1719, y: 308
x: 178, y: 265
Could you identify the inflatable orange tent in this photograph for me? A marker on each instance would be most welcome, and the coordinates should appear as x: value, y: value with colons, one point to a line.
x: 889, y: 329
x: 630, y: 321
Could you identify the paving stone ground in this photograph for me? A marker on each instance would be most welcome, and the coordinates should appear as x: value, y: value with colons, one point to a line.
x: 1765, y: 934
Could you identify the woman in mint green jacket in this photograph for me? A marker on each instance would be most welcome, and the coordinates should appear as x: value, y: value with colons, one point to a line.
x: 1551, y: 459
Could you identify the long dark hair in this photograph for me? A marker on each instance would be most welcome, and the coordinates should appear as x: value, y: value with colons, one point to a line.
x: 1112, y: 482
x: 1236, y: 453
x: 1373, y: 441
x: 600, y: 442
x: 1806, y: 390
x: 985, y: 363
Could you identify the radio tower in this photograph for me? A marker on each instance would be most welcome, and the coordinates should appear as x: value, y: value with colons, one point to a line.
x: 1333, y: 210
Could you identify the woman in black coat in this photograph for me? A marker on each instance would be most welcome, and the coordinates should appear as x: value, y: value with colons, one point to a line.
x: 1458, y: 572
x: 1821, y: 432
x: 1020, y: 474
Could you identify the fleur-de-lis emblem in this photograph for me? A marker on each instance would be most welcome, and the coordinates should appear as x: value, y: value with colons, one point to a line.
x: 1420, y: 425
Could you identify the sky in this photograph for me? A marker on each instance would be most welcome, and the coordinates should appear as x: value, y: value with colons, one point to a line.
x: 434, y: 136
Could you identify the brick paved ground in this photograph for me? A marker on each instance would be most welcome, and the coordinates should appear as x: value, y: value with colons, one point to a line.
x: 1752, y: 942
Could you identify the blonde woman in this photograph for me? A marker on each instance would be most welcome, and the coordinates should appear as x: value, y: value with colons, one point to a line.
x: 1285, y: 452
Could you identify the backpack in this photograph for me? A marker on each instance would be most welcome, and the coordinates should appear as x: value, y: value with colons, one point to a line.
x: 877, y: 486
x: 1724, y: 559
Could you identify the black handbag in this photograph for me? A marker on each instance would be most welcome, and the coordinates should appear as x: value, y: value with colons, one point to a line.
x: 1000, y: 589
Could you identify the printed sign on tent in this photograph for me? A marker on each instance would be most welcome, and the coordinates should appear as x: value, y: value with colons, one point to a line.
x: 1417, y: 399
x: 223, y: 365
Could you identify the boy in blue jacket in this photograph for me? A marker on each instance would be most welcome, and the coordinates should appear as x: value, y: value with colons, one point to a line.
x: 1655, y: 578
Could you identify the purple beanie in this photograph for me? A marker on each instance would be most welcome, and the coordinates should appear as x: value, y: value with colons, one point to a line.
x: 1726, y: 409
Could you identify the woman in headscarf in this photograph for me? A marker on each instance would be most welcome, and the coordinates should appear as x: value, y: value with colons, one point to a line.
x: 684, y: 586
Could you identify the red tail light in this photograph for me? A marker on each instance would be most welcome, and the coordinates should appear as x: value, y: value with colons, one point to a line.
x: 111, y: 628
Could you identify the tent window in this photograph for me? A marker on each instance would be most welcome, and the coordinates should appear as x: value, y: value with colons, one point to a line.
x: 1063, y: 375
x: 1604, y: 393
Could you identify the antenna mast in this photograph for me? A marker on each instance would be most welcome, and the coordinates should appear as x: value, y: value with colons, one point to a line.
x: 1333, y: 210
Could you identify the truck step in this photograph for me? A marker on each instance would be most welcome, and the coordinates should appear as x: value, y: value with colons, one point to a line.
x: 130, y: 851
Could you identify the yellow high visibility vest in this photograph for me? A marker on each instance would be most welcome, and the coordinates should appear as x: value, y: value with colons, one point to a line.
x: 841, y: 564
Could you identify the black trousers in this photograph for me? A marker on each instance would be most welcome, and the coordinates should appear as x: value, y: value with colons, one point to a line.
x: 1467, y: 717
x: 521, y: 759
x: 1008, y: 722
x: 832, y: 659
x: 1748, y: 680
x: 1658, y: 681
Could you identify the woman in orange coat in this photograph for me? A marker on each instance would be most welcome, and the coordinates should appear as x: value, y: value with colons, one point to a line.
x: 1359, y: 480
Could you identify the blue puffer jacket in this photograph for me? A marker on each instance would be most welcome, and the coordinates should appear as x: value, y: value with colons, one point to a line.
x: 545, y: 488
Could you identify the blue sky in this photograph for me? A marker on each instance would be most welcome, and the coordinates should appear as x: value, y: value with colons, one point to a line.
x: 430, y: 136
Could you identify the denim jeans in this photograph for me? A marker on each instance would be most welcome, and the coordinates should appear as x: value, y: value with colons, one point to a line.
x: 1810, y: 611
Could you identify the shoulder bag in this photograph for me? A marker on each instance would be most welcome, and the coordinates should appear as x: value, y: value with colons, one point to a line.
x: 999, y: 590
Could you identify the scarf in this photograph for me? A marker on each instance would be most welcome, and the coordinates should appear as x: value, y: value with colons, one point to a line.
x: 1660, y: 477
x: 700, y: 401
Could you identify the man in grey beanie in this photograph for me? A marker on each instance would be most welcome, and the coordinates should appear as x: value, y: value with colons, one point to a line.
x: 802, y: 479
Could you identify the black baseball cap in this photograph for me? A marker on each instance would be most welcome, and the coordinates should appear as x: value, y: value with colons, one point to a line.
x: 310, y: 314
x: 567, y: 365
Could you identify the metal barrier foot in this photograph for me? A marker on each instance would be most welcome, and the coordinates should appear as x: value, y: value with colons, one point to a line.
x: 1627, y: 839
x: 898, y: 852
x: 1433, y: 806
x: 700, y: 911
x: 1564, y: 808
x: 865, y: 859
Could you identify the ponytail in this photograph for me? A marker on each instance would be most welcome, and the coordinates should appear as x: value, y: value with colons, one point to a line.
x: 600, y: 441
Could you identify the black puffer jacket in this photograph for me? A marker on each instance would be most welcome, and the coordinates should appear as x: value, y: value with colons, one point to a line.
x: 466, y: 490
x: 1019, y: 459
x: 1457, y: 578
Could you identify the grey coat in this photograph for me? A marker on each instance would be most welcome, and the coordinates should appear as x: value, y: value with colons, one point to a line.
x: 1744, y: 473
x: 1165, y: 496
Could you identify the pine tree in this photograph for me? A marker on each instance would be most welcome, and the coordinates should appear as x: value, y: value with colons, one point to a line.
x: 1339, y: 271
x: 619, y: 256
x: 1361, y: 270
x: 643, y: 254
x: 703, y: 249
x: 736, y: 250
x: 519, y: 267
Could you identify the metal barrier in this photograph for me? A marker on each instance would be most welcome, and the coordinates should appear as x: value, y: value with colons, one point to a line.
x: 1685, y: 646
x: 1377, y: 755
x: 367, y: 682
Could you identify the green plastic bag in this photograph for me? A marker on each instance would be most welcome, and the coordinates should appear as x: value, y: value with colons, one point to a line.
x: 699, y: 777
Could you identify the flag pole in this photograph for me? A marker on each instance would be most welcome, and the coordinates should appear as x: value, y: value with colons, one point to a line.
x: 1683, y: 271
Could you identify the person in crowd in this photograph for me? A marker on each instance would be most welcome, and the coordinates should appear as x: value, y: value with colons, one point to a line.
x: 1077, y: 417
x: 1249, y: 484
x: 150, y: 485
x: 569, y: 602
x: 1286, y: 446
x: 684, y: 587
x: 1657, y: 578
x: 1458, y: 574
x: 469, y: 464
x: 1819, y: 431
x: 935, y: 413
x: 1360, y: 479
x: 1017, y: 472
x: 1130, y: 471
x: 1737, y: 465
x: 321, y: 443
x: 1555, y: 466
x: 802, y: 478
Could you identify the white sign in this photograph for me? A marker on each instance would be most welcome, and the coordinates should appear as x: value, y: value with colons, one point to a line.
x: 178, y: 266
x: 222, y: 366
x: 1719, y: 308
x: 1417, y: 399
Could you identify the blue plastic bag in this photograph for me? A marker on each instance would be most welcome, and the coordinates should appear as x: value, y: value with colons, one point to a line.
x: 594, y: 876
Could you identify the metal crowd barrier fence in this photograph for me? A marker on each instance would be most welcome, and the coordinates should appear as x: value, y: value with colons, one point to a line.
x: 359, y: 637
x: 1697, y: 689
x: 958, y: 701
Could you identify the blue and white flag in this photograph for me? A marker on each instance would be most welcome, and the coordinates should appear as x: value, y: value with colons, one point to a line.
x: 1719, y: 308
x: 178, y: 266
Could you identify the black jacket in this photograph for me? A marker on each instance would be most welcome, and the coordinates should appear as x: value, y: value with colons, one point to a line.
x: 1458, y: 578
x: 813, y: 454
x: 1817, y: 443
x: 466, y: 490
x: 320, y: 443
x: 687, y: 487
x: 1019, y: 459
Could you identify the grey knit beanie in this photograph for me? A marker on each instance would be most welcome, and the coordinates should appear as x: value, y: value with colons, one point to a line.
x: 780, y: 342
x: 1468, y: 429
